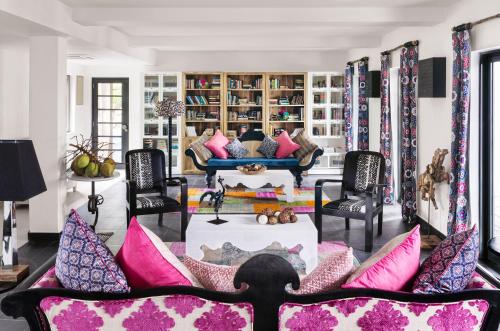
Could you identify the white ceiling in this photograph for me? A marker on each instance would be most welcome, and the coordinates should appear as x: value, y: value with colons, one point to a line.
x: 257, y: 25
x: 146, y: 29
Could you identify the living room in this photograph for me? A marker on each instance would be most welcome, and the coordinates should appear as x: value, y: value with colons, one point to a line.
x: 272, y: 165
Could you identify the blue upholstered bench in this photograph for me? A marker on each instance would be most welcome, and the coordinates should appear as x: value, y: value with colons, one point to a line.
x: 252, y: 140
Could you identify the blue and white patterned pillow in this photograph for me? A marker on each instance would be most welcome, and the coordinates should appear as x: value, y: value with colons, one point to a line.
x: 236, y: 149
x: 84, y: 262
x: 268, y: 147
x: 450, y: 266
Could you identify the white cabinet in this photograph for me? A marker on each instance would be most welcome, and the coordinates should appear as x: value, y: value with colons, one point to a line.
x: 159, y: 86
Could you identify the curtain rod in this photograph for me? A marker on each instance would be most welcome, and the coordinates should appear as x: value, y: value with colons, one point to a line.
x: 365, y: 58
x: 470, y: 25
x: 406, y: 44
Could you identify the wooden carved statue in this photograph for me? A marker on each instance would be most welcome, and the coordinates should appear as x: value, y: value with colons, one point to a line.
x: 434, y: 173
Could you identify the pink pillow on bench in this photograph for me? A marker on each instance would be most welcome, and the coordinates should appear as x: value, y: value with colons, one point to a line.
x: 147, y: 262
x: 286, y: 146
x: 393, y: 267
x: 216, y: 145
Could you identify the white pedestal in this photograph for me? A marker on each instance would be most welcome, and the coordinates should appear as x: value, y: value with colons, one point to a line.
x: 244, y: 232
x: 276, y: 178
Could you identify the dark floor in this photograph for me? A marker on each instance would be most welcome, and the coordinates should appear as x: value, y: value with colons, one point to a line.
x: 112, y: 219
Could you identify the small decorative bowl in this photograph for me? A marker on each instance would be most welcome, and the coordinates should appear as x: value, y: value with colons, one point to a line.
x: 252, y: 169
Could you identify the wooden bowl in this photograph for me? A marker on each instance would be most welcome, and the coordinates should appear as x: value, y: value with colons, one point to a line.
x: 246, y: 171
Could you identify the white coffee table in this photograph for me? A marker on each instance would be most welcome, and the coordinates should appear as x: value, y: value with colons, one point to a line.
x: 243, y: 231
x: 276, y: 178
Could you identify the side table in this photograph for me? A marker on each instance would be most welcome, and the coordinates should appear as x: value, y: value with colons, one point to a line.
x: 95, y: 200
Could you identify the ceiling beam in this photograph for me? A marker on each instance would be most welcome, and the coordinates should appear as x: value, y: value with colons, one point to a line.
x: 340, y: 15
x: 259, y: 43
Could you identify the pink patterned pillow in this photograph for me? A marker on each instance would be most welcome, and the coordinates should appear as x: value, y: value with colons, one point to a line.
x: 393, y: 267
x: 48, y: 280
x: 216, y: 145
x: 286, y: 146
x: 212, y: 276
x: 329, y: 274
x: 147, y: 262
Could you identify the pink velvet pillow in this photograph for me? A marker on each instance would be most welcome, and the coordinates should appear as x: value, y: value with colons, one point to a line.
x: 147, y: 262
x: 216, y: 145
x: 329, y: 274
x: 213, y: 276
x: 393, y: 267
x: 286, y: 146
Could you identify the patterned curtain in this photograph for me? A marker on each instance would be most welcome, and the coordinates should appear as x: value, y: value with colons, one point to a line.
x: 409, y: 78
x: 348, y: 107
x: 458, y: 216
x: 363, y: 106
x: 385, y: 126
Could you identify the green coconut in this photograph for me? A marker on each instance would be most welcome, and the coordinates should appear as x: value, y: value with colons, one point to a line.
x: 82, y: 161
x: 107, y: 169
x: 92, y: 170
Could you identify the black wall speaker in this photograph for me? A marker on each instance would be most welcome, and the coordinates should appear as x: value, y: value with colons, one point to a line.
x: 432, y: 78
x: 373, y: 84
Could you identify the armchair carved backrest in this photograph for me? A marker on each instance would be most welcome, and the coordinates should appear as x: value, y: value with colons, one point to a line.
x: 362, y: 169
x: 146, y: 167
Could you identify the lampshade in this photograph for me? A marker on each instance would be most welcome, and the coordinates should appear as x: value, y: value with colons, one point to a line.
x: 20, y: 174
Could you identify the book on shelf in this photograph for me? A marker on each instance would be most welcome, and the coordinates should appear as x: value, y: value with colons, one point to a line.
x: 298, y: 83
x: 284, y: 101
x: 273, y: 101
x: 215, y: 84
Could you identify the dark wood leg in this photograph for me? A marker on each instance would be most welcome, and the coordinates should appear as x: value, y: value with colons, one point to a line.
x: 160, y: 219
x: 347, y: 224
x: 208, y: 179
x: 368, y: 233
x: 184, y: 224
x: 298, y: 179
x: 318, y: 216
x: 380, y: 221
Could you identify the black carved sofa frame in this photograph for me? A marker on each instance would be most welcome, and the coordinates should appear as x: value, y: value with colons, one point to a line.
x: 267, y: 275
x: 254, y: 135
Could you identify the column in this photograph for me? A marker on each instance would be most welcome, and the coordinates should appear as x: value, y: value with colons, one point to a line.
x: 47, y: 129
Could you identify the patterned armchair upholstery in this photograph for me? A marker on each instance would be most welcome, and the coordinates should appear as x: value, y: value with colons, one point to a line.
x: 361, y: 194
x: 147, y: 187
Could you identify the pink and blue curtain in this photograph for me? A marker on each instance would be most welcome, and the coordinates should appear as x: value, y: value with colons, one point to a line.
x: 348, y: 107
x: 409, y: 79
x: 363, y: 138
x: 385, y: 126
x: 458, y: 215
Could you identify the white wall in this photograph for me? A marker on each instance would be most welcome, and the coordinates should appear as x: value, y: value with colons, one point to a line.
x: 14, y: 90
x: 434, y: 114
x: 83, y: 113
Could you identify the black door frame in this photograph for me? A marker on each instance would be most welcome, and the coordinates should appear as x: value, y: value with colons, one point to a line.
x: 486, y: 212
x: 125, y: 111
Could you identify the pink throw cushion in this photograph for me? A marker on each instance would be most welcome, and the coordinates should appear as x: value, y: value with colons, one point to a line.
x: 286, y: 146
x: 216, y: 145
x: 212, y: 276
x: 393, y: 267
x: 329, y: 274
x: 147, y: 262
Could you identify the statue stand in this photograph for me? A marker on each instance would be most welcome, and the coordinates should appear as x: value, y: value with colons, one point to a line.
x: 429, y: 241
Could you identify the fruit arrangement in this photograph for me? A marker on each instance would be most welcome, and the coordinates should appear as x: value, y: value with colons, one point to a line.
x: 85, y: 160
x: 252, y: 169
x: 269, y: 216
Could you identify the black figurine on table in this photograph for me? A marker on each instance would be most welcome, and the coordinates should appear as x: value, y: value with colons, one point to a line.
x: 216, y: 199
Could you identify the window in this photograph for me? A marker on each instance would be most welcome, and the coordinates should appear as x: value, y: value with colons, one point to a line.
x: 490, y: 155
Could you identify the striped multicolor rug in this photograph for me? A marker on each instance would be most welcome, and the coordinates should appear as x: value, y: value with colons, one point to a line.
x: 251, y: 201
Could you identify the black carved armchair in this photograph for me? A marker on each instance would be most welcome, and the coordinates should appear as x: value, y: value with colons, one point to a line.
x: 361, y: 194
x: 147, y: 187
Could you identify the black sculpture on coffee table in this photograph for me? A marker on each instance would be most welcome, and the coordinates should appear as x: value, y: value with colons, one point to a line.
x: 216, y: 199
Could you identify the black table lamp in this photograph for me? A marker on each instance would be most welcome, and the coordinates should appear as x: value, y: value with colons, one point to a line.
x: 20, y: 179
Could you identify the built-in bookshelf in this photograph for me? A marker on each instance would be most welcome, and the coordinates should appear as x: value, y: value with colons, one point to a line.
x: 203, y: 94
x: 159, y: 86
x: 286, y: 102
x: 245, y: 108
x: 326, y: 119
